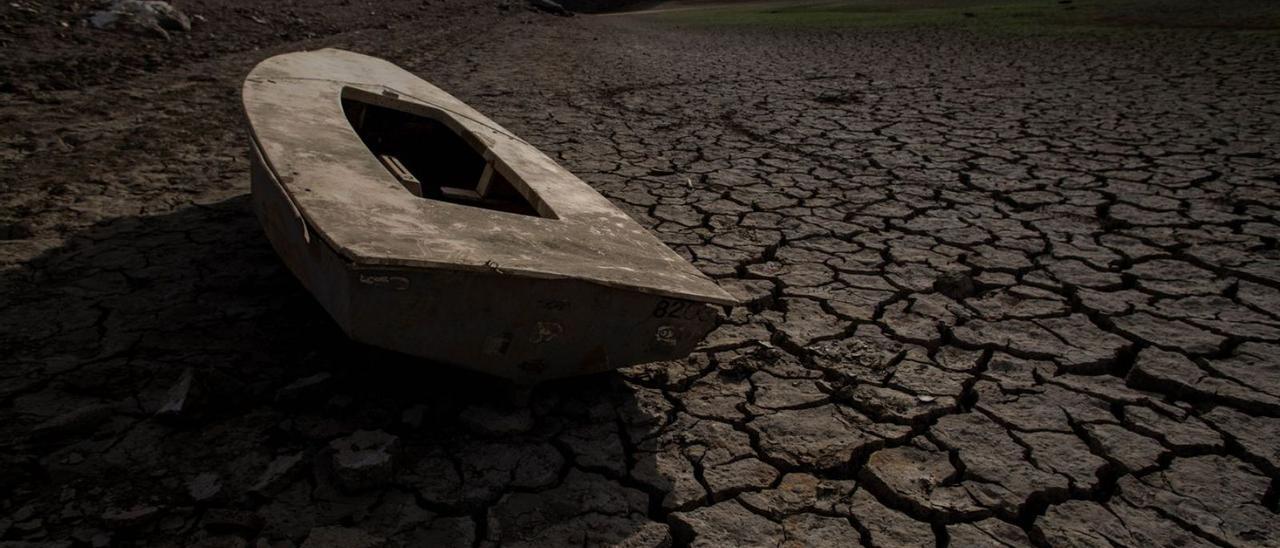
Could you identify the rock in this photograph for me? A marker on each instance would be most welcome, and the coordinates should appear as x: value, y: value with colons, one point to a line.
x: 725, y: 524
x: 490, y: 421
x: 143, y: 16
x: 205, y: 487
x: 550, y: 6
x: 365, y: 459
x: 341, y: 537
x: 177, y: 401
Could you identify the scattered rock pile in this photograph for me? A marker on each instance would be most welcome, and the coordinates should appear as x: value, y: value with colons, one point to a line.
x: 149, y: 17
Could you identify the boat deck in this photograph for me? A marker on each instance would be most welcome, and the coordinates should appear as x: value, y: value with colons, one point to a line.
x: 367, y: 211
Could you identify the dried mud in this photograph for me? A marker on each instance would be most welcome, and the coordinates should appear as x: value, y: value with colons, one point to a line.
x: 1002, y: 290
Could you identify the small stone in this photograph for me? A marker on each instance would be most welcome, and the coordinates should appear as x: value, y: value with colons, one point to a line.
x: 143, y: 16
x: 177, y: 402
x: 365, y: 459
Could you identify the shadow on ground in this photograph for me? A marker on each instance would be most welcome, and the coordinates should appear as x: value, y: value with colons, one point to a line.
x: 167, y: 375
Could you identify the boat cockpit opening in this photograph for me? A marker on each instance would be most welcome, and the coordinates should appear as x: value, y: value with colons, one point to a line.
x: 432, y: 160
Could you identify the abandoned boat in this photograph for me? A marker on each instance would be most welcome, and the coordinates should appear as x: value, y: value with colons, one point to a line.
x: 424, y: 227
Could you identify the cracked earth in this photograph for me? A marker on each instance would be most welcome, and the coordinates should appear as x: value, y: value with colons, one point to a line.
x: 1000, y: 290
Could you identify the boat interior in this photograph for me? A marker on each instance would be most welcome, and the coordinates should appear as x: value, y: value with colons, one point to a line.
x: 432, y: 157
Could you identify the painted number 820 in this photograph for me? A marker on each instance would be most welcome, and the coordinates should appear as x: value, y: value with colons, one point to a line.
x: 683, y: 310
